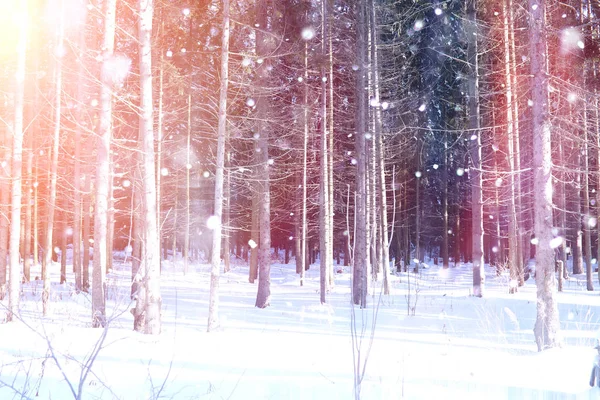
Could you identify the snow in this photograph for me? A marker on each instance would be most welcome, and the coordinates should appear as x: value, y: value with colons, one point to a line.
x: 455, y: 346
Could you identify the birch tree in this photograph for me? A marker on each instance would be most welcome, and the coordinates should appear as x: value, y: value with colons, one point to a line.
x: 547, y: 326
x: 475, y: 148
x: 103, y: 169
x: 213, y: 305
x: 14, y: 284
x: 58, y: 88
x: 147, y: 312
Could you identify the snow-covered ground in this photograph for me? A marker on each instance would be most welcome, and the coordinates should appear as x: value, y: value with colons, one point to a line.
x: 455, y: 346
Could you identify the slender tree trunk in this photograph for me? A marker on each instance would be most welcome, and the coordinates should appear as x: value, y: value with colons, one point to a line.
x: 547, y: 326
x: 305, y: 121
x: 227, y: 215
x: 64, y: 235
x: 186, y: 238
x: 81, y: 106
x: 587, y: 240
x: 149, y: 298
x: 263, y: 295
x: 325, y: 257
x: 445, y: 227
x: 475, y: 150
x: 331, y: 129
x: 383, y: 209
x: 87, y: 220
x: 254, y: 231
x: 110, y: 216
x: 213, y: 305
x: 14, y: 284
x: 513, y: 241
x: 359, y: 285
x: 159, y: 144
x: 54, y: 165
x: 28, y: 209
x: 103, y: 172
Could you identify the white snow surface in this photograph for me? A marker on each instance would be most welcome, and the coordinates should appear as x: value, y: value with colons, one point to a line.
x: 455, y: 346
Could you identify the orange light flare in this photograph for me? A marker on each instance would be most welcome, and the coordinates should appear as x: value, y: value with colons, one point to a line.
x: 13, y: 17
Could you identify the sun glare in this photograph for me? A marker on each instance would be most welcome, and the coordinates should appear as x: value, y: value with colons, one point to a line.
x: 12, y: 17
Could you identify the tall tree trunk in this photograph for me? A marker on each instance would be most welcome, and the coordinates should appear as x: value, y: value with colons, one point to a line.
x: 325, y: 257
x: 587, y: 240
x: 159, y: 145
x: 87, y: 220
x: 14, y: 284
x: 81, y: 106
x: 331, y: 129
x: 149, y: 298
x: 445, y: 226
x: 103, y: 171
x: 213, y: 305
x: 359, y: 277
x: 64, y: 235
x: 227, y: 215
x: 263, y: 295
x: 28, y: 209
x: 379, y: 149
x: 475, y: 149
x: 547, y: 326
x: 188, y: 167
x: 5, y: 188
x: 305, y: 122
x: 254, y: 229
x: 513, y: 240
x: 54, y: 165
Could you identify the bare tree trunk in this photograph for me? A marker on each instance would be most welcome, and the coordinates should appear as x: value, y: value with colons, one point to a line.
x: 380, y: 152
x: 103, y: 172
x: 524, y: 243
x: 213, y: 304
x: 87, y: 220
x: 445, y: 227
x: 547, y: 326
x: 587, y: 240
x: 227, y: 215
x: 54, y: 165
x: 110, y: 217
x: 77, y: 235
x: 331, y: 130
x: 159, y: 143
x: 263, y: 295
x: 63, y: 235
x: 149, y: 298
x: 186, y: 238
x: 14, y: 284
x: 418, y: 213
x: 28, y: 209
x: 254, y: 230
x: 325, y: 257
x: 475, y: 149
x: 5, y: 188
x: 304, y: 217
x: 359, y: 284
x: 513, y: 241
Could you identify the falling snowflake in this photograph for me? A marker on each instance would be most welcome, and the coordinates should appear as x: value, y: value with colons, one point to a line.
x: 308, y: 33
x: 213, y: 222
x: 556, y: 242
